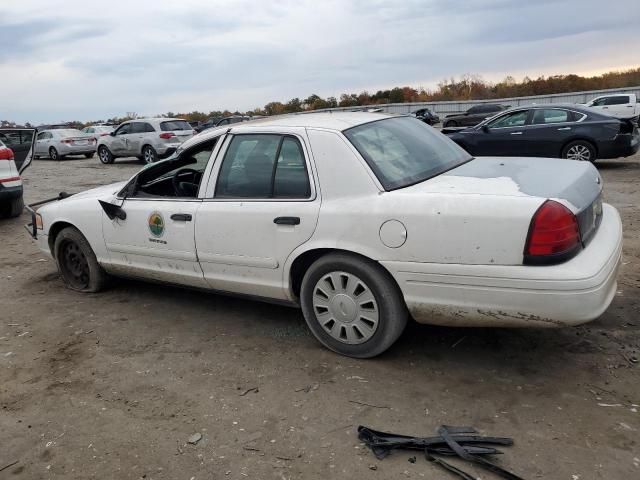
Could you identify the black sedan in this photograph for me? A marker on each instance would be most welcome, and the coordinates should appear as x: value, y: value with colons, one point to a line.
x: 474, y: 115
x: 427, y: 116
x: 565, y: 131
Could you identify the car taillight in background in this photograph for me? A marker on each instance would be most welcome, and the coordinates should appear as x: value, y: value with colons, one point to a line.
x: 6, y: 153
x: 167, y: 135
x: 554, y: 235
x: 66, y: 140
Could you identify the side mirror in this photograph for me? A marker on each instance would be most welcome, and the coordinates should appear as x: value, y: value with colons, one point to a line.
x: 113, y: 134
x: 113, y: 211
x: 485, y: 128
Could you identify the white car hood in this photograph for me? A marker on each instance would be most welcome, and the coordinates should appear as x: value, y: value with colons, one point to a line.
x: 99, y: 192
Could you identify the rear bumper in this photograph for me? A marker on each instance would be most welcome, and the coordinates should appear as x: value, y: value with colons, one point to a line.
x: 623, y: 145
x: 571, y: 293
x: 10, y: 193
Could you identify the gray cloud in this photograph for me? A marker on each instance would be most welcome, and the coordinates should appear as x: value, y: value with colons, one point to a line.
x: 147, y: 56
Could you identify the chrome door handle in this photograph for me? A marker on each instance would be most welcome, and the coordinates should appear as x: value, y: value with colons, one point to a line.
x: 516, y: 133
x: 564, y: 128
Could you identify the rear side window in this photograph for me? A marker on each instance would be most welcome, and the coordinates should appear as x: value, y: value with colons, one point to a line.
x: 514, y: 119
x: 551, y: 115
x: 263, y: 166
x: 618, y: 100
x: 172, y: 125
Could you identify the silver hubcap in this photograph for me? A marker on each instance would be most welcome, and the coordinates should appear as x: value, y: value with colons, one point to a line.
x: 579, y: 152
x: 53, y: 154
x: 148, y: 155
x: 345, y: 307
x: 104, y: 155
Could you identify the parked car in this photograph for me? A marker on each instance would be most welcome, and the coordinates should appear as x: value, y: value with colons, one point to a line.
x: 149, y: 139
x: 569, y: 131
x: 58, y: 143
x: 387, y: 217
x: 617, y: 105
x: 98, y: 130
x: 474, y: 115
x: 210, y: 123
x: 233, y: 119
x: 16, y: 146
x: 427, y: 116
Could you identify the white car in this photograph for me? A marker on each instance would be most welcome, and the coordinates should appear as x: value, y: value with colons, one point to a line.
x: 149, y: 139
x: 617, y: 105
x: 361, y: 219
x: 58, y: 143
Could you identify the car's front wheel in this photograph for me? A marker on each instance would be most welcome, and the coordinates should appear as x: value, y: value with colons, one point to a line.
x: 352, y: 305
x: 149, y: 154
x: 105, y: 155
x: 580, y: 150
x: 77, y: 263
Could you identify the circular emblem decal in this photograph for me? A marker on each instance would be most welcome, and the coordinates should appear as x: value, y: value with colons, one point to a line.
x: 156, y: 224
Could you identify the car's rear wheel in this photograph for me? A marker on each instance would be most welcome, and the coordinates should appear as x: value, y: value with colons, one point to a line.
x: 451, y: 123
x: 12, y: 208
x: 77, y: 263
x: 105, y: 156
x: 53, y: 154
x: 352, y: 305
x: 580, y: 150
x: 149, y: 154
x: 88, y: 155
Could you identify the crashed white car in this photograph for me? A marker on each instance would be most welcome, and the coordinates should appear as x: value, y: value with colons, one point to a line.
x: 362, y: 219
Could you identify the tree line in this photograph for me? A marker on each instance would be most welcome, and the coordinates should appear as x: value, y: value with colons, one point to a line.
x: 467, y: 87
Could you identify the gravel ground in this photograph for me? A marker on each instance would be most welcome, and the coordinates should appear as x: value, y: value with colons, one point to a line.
x: 113, y: 385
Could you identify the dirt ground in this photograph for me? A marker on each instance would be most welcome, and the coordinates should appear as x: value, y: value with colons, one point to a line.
x: 112, y: 385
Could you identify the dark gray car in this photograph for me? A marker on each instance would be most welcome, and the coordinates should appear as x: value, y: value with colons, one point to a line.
x: 474, y: 115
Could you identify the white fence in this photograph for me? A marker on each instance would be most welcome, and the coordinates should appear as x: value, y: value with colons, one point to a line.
x: 445, y: 108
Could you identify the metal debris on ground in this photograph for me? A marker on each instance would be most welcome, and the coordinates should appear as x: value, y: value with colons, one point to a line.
x: 463, y: 442
x: 195, y: 438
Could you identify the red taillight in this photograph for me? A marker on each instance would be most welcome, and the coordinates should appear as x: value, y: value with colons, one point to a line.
x: 167, y: 135
x: 553, y: 232
x: 66, y: 140
x: 6, y: 153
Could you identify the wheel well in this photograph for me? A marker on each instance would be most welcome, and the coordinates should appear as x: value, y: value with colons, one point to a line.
x: 580, y: 139
x: 54, y: 230
x: 301, y: 264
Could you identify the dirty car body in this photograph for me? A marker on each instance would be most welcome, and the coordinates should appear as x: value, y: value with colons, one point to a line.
x: 360, y: 219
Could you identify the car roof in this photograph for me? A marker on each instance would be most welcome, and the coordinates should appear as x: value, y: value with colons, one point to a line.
x: 155, y: 119
x: 328, y: 120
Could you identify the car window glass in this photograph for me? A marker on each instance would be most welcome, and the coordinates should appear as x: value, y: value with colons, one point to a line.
x: 617, y: 100
x: 291, y: 179
x: 136, y: 127
x: 475, y: 109
x: 172, y: 125
x: 513, y: 119
x: 148, y: 128
x: 17, y: 138
x: 124, y: 129
x: 551, y: 116
x: 248, y: 167
x: 599, y: 102
x: 402, y: 151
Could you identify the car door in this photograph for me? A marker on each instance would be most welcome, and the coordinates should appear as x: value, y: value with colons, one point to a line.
x: 619, y: 106
x: 156, y: 240
x: 550, y: 129
x: 504, y: 135
x: 135, y: 138
x: 118, y: 143
x: 261, y: 203
x: 43, y: 140
x: 22, y: 142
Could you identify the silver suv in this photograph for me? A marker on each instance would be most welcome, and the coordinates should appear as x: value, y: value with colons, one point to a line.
x: 149, y: 139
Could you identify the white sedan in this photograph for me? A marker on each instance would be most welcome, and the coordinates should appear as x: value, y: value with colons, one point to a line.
x: 361, y: 219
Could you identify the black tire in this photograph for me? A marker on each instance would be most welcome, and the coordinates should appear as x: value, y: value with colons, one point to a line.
x: 149, y: 154
x: 387, y: 302
x: 581, y: 150
x: 53, y: 154
x: 77, y: 263
x: 105, y: 156
x: 15, y: 207
x: 88, y: 155
x: 450, y: 123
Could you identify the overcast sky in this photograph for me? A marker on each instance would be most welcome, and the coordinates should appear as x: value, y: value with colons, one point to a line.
x: 81, y: 60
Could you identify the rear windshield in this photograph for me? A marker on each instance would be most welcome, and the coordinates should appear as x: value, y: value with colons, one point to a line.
x: 175, y: 125
x: 67, y: 132
x: 403, y: 150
